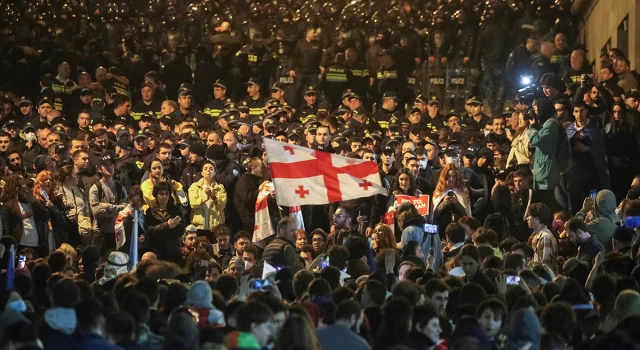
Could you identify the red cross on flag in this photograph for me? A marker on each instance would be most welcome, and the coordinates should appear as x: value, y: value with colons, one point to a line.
x: 304, y: 176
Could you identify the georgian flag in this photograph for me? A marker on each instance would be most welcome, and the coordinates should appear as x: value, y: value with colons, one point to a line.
x: 263, y: 228
x: 303, y: 176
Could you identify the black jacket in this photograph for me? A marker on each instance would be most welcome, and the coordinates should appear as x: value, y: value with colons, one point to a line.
x: 12, y: 218
x: 244, y: 198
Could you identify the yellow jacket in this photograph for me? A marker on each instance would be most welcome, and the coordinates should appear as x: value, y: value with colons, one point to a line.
x: 213, y: 207
x: 147, y: 193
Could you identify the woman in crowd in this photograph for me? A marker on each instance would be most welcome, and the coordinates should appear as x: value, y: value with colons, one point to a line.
x: 156, y: 171
x: 24, y: 217
x: 404, y: 183
x: 450, y: 198
x: 164, y: 224
x: 297, y: 332
x: 301, y: 239
x: 382, y: 238
x: 126, y: 217
x: 71, y: 203
x: 207, y: 199
x: 520, y: 154
x: 44, y: 190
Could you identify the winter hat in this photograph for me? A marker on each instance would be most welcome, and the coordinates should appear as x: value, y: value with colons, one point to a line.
x: 199, y: 295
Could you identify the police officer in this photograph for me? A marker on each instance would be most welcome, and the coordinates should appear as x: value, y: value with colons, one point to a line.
x: 214, y: 107
x: 388, y: 77
x: 255, y: 101
x: 26, y: 111
x: 63, y: 86
x: 147, y: 104
x: 278, y: 94
x: 360, y: 77
x: 389, y: 104
x: 310, y: 108
x: 475, y: 117
x: 251, y: 60
x: 433, y: 114
x: 337, y: 78
x: 186, y: 106
x: 86, y: 97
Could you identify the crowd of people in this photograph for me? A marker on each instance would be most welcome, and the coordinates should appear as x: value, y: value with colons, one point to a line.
x: 132, y: 163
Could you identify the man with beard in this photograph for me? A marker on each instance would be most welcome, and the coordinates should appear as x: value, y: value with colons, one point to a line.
x: 193, y: 171
x: 14, y: 163
x: 164, y: 153
x: 86, y: 175
x: 100, y: 143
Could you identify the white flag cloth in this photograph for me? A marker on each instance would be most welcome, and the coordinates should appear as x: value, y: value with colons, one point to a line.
x: 295, y: 213
x: 303, y: 176
x: 263, y: 228
x: 121, y: 237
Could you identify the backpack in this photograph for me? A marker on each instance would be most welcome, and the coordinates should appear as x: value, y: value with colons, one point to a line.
x: 563, y: 151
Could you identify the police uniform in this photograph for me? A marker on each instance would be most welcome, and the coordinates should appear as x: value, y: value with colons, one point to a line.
x: 140, y: 108
x: 383, y: 116
x: 62, y: 93
x: 306, y: 112
x: 336, y: 79
x: 214, y: 107
x: 256, y: 106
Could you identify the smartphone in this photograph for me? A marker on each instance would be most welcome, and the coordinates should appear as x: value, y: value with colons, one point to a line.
x: 513, y: 280
x: 44, y: 194
x: 451, y: 194
x: 593, y: 193
x: 260, y: 284
x: 431, y: 228
x: 324, y: 263
x: 22, y: 261
x: 177, y: 219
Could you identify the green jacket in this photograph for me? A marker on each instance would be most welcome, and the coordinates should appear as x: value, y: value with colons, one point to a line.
x: 605, y: 220
x: 546, y: 172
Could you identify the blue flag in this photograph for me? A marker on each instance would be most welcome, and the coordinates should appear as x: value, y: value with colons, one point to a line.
x: 133, y: 248
x: 11, y: 267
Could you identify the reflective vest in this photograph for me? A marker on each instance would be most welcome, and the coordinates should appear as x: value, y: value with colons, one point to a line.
x: 336, y: 75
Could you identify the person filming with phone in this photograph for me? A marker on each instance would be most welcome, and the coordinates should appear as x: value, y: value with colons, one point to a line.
x: 164, y: 224
x: 450, y: 199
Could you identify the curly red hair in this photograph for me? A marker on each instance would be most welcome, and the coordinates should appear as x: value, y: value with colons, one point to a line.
x: 37, y: 185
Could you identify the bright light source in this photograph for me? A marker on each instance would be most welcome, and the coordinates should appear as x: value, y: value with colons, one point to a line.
x: 526, y: 80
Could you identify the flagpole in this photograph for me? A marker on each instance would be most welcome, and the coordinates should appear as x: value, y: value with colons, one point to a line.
x: 133, y: 248
x: 10, y: 268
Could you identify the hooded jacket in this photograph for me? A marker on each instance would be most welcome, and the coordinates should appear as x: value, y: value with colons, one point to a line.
x: 546, y: 139
x: 604, y: 223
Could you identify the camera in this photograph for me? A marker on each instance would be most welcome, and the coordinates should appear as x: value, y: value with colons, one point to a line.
x: 588, y: 82
x: 527, y: 94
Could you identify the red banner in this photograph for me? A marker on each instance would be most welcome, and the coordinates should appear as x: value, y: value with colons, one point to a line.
x: 421, y: 203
